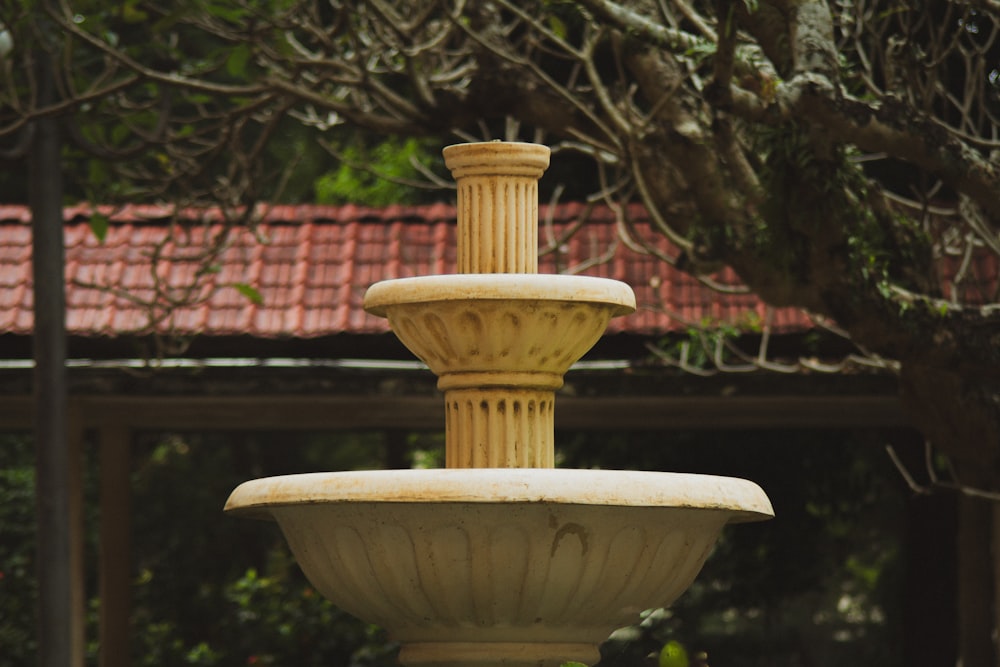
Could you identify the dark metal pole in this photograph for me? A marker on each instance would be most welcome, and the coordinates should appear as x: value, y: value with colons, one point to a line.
x: 55, y: 563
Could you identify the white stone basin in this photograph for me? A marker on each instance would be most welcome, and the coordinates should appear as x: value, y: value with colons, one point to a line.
x: 490, y: 567
x: 500, y: 322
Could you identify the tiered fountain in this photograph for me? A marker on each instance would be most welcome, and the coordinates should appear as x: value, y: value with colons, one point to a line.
x: 499, y: 559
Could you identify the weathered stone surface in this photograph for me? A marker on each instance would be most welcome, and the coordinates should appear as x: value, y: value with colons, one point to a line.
x: 500, y: 560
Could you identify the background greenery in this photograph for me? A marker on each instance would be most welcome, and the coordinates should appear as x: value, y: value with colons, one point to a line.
x: 819, y: 585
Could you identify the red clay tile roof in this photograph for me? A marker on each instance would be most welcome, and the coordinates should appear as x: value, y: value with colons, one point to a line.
x: 312, y: 264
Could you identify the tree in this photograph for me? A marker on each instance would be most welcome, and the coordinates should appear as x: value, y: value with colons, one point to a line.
x: 839, y: 157
x: 842, y: 157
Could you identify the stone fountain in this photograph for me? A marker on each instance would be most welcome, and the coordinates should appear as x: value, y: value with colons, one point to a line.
x: 500, y: 559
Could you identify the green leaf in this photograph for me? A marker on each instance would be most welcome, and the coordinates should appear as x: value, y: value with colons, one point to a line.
x: 225, y: 11
x: 99, y: 225
x: 132, y: 13
x: 97, y: 173
x: 250, y: 293
x: 119, y: 133
x: 236, y: 63
x: 557, y: 26
x: 673, y: 654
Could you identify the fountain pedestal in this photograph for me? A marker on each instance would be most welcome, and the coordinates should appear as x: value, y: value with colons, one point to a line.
x: 499, y: 559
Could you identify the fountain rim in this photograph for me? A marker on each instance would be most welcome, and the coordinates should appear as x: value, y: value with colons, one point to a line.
x: 497, y: 158
x: 545, y: 287
x: 743, y: 499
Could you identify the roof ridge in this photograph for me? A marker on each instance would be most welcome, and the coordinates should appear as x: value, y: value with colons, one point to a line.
x: 160, y: 213
x: 269, y: 213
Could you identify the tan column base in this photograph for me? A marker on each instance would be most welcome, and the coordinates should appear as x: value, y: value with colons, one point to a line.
x: 499, y: 428
x: 496, y: 654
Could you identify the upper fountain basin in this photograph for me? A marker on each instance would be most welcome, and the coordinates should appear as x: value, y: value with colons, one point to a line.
x: 532, y: 323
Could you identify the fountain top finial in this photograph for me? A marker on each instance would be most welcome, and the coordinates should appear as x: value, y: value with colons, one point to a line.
x: 497, y: 205
x: 497, y: 158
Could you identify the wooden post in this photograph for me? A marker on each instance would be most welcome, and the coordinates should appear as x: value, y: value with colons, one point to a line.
x: 975, y: 582
x: 115, y: 550
x: 995, y: 552
x: 77, y: 537
x: 60, y: 633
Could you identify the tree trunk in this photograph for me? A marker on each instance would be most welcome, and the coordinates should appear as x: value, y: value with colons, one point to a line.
x: 976, y: 616
x: 930, y: 602
x: 115, y: 563
x: 995, y: 511
x: 57, y: 623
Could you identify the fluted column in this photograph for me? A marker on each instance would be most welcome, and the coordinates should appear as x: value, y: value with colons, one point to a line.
x: 497, y: 205
x: 499, y: 428
x: 495, y: 422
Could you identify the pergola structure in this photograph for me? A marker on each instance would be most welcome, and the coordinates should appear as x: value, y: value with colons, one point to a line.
x: 268, y: 333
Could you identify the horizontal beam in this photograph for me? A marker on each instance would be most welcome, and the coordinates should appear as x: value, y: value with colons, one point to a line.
x: 360, y: 412
x: 729, y: 412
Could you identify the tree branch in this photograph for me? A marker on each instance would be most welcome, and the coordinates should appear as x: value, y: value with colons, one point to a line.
x: 152, y: 74
x: 645, y: 28
x: 67, y: 106
x: 890, y: 127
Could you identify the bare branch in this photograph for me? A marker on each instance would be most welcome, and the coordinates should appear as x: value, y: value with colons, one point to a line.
x: 935, y: 485
x: 656, y: 34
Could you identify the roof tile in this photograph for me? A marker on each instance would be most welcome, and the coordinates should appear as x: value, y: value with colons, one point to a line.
x: 316, y: 262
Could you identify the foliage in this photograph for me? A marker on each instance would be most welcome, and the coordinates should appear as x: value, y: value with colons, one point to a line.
x: 214, y: 590
x: 840, y: 157
x: 817, y: 585
x: 819, y: 582
x: 18, y: 588
x: 376, y: 176
x: 266, y: 620
x: 207, y: 589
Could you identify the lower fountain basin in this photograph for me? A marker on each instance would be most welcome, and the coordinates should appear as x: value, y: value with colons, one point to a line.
x: 490, y: 567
